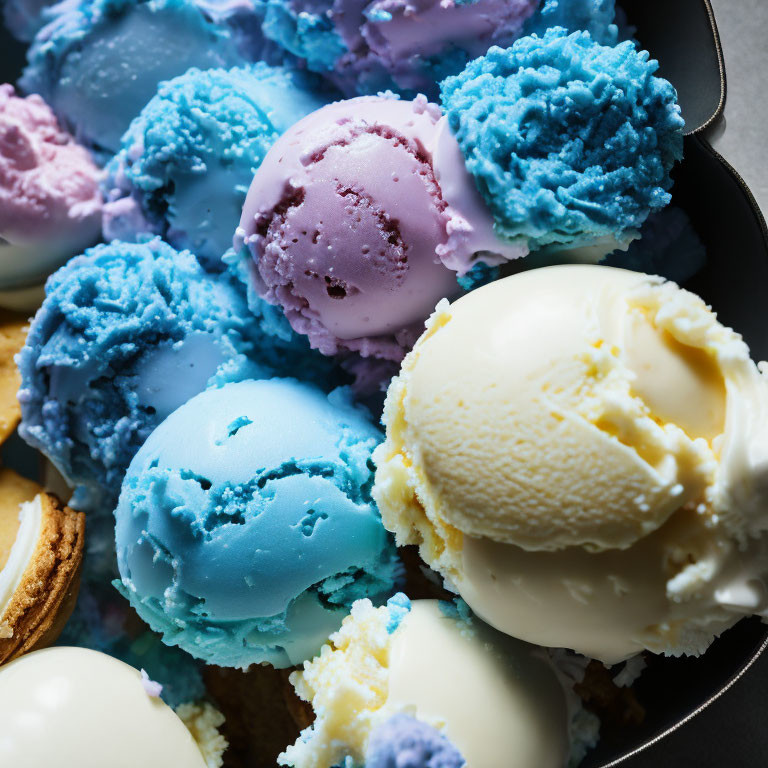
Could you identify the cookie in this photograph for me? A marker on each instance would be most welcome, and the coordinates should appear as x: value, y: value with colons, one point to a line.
x: 41, y: 552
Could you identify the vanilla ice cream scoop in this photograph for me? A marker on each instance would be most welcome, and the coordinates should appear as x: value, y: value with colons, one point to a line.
x: 77, y: 708
x: 578, y: 450
x: 495, y: 701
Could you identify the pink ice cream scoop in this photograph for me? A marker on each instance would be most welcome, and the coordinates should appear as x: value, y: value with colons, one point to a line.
x: 50, y: 203
x: 358, y: 221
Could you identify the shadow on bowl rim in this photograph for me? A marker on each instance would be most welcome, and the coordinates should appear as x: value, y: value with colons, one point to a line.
x: 696, y: 134
x: 691, y: 715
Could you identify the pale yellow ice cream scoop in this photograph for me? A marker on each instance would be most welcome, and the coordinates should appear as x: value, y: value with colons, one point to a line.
x: 601, y: 422
x: 77, y: 708
x: 500, y: 702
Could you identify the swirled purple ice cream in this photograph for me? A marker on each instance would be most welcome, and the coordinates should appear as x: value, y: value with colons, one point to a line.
x: 358, y: 221
x: 366, y: 46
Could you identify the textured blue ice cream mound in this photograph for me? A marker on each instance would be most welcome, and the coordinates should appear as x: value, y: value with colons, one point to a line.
x: 188, y: 159
x: 405, y: 742
x: 98, y: 62
x: 127, y: 333
x: 246, y: 528
x: 568, y: 141
x: 305, y: 30
x: 598, y: 17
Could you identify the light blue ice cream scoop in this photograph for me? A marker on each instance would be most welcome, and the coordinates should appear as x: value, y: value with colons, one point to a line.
x: 187, y: 160
x: 127, y: 333
x: 246, y: 528
x: 98, y: 62
x: 570, y: 142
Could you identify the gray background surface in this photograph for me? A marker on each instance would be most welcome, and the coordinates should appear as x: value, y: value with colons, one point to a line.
x: 741, y: 135
x: 733, y: 732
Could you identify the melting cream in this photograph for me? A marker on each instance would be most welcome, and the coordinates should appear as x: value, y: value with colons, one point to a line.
x: 27, y: 536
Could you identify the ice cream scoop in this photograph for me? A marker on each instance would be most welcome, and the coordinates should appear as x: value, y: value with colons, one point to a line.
x: 186, y: 161
x: 570, y: 142
x: 405, y: 738
x: 358, y: 212
x: 102, y: 621
x: 41, y: 551
x: 93, y: 710
x: 98, y: 63
x: 245, y: 527
x: 50, y: 203
x: 423, y: 678
x: 368, y: 46
x: 356, y: 220
x: 118, y: 325
x: 590, y: 472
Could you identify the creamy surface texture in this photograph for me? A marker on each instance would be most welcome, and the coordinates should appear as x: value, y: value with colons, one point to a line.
x: 497, y: 700
x: 594, y: 454
x: 27, y: 534
x: 76, y: 708
x: 501, y: 704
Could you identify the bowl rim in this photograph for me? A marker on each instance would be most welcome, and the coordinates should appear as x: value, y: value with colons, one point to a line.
x: 720, y: 108
x: 698, y: 136
x: 693, y: 713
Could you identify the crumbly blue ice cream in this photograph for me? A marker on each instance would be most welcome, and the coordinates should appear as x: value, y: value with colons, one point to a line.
x: 127, y: 333
x: 98, y: 62
x: 598, y: 17
x: 187, y: 160
x: 246, y: 528
x: 305, y: 30
x: 405, y: 742
x: 408, y: 46
x: 569, y: 142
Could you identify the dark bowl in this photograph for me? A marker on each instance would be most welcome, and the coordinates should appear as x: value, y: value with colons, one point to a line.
x: 682, y: 35
x: 734, y: 281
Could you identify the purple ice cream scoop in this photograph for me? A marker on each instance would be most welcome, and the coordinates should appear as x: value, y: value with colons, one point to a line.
x: 405, y: 742
x: 398, y: 31
x: 358, y: 221
x: 367, y: 46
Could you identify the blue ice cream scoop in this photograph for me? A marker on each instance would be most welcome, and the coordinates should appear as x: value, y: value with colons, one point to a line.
x: 126, y: 334
x: 598, y: 17
x: 98, y: 62
x: 569, y: 142
x: 246, y: 528
x: 187, y: 160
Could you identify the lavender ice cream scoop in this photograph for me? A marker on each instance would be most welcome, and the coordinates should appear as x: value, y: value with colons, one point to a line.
x: 366, y: 46
x: 358, y: 220
x: 405, y: 742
